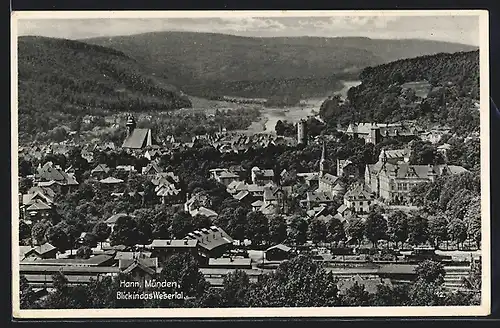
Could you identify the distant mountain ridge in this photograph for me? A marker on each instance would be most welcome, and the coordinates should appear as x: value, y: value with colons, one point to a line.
x: 61, y: 78
x: 206, y: 64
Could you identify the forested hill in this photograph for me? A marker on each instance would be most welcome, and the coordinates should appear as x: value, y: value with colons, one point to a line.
x: 60, y: 78
x: 445, y: 90
x: 208, y: 64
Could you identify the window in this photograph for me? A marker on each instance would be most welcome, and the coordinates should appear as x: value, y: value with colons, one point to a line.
x: 368, y: 203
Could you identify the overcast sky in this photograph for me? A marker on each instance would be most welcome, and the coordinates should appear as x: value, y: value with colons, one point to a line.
x: 461, y: 29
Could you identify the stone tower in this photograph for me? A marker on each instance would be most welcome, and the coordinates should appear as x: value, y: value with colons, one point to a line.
x: 301, y: 133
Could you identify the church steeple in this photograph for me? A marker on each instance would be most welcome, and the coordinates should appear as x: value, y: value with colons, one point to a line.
x: 322, y: 161
x: 130, y: 124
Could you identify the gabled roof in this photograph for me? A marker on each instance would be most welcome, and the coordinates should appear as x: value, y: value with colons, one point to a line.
x: 242, y: 194
x: 139, y: 264
x: 101, y: 168
x: 359, y: 192
x: 271, y: 192
x: 131, y: 255
x: 281, y: 247
x: 111, y: 180
x: 320, y: 196
x: 138, y: 139
x: 210, y: 238
x: 257, y: 203
x: 38, y: 205
x: 173, y: 243
x: 203, y: 211
x: 112, y: 219
x: 43, y: 249
x: 329, y: 179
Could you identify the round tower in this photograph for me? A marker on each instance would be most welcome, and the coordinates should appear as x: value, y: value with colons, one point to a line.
x: 301, y: 132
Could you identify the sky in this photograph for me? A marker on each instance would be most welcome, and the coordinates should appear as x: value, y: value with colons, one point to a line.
x: 460, y: 29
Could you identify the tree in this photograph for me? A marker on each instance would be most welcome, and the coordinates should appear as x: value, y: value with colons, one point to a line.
x: 24, y: 230
x: 57, y: 237
x: 257, y: 227
x: 391, y: 296
x: 438, y: 229
x: 397, y: 227
x: 235, y: 288
x: 182, y: 224
x: 277, y: 230
x: 458, y: 231
x: 356, y: 296
x: 298, y: 231
x: 84, y: 252
x: 430, y: 271
x: 425, y: 153
x: 125, y: 232
x: 89, y: 240
x: 317, y: 231
x: 299, y: 282
x: 335, y: 230
x: 417, y: 230
x: 423, y: 293
x: 38, y: 231
x: 375, y: 228
x: 472, y: 219
x: 64, y: 296
x: 145, y: 231
x: 27, y: 296
x: 101, y: 231
x: 355, y: 229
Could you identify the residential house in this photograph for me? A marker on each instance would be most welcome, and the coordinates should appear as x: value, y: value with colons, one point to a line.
x: 199, y: 204
x: 51, y: 175
x: 317, y: 198
x: 262, y: 177
x: 44, y: 251
x: 141, y: 270
x: 100, y: 171
x: 359, y: 199
x: 224, y: 176
x: 37, y: 204
x: 152, y: 169
x: 169, y: 193
x: 346, y: 168
x: 278, y: 252
x: 277, y: 196
x: 212, y: 242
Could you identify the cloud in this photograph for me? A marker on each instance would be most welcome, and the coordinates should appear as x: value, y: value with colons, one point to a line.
x: 463, y: 29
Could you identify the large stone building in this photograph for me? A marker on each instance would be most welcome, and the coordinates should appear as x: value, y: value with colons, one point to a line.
x: 393, y: 181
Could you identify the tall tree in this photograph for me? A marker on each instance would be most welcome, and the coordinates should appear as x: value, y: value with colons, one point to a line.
x: 458, y: 231
x: 355, y: 229
x: 38, y: 231
x: 317, y: 231
x: 145, y: 232
x: 417, y: 230
x: 101, y: 231
x: 375, y: 228
x: 298, y: 231
x: 277, y: 230
x: 397, y: 227
x: 257, y: 227
x: 125, y: 232
x: 438, y: 229
x: 336, y: 232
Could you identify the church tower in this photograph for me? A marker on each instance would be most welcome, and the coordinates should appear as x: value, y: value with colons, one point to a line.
x: 130, y: 125
x: 322, y: 161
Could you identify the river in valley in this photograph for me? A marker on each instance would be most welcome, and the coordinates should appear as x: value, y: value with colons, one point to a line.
x: 308, y: 107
